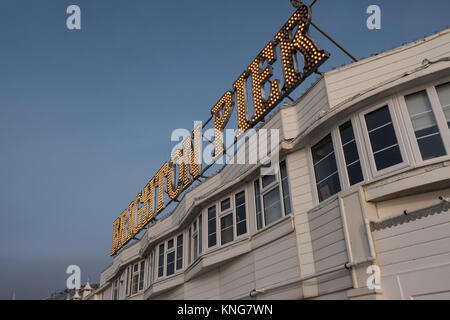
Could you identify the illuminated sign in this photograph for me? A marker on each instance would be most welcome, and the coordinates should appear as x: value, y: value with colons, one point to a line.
x: 184, y: 166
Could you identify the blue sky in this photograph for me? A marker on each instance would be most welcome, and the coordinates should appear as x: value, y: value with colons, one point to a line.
x: 86, y: 116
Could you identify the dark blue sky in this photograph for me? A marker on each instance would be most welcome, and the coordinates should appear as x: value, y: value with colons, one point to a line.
x: 86, y: 116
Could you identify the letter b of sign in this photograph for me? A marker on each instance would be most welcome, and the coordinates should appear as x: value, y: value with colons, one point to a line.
x: 74, y: 280
x: 74, y: 20
x: 374, y: 21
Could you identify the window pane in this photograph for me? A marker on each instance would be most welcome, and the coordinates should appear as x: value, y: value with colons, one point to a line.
x: 226, y: 228
x: 200, y: 234
x: 241, y: 218
x: 212, y: 234
x: 378, y: 118
x: 387, y: 158
x: 272, y: 206
x: 444, y: 96
x: 258, y: 205
x: 195, y: 239
x: 285, y: 186
x: 170, y: 263
x: 141, y: 276
x: 355, y: 173
x: 382, y: 138
x: 161, y: 261
x: 127, y: 282
x: 189, y: 246
x: 325, y: 168
x: 225, y: 205
x: 179, y: 252
x: 134, y: 286
x: 329, y: 187
x: 170, y: 244
x: 267, y: 180
x: 351, y: 153
x: 425, y: 126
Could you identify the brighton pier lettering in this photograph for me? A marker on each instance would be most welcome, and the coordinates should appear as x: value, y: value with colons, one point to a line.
x: 184, y: 166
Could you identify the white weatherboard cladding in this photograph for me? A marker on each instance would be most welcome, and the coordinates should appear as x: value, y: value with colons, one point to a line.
x: 414, y: 257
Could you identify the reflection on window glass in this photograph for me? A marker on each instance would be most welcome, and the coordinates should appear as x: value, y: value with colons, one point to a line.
x: 161, y: 261
x: 189, y: 245
x: 267, y: 180
x: 285, y: 187
x: 444, y: 97
x: 325, y: 168
x: 141, y: 275
x: 351, y: 153
x: 385, y: 148
x: 272, y: 206
x: 425, y: 126
x: 171, y: 263
x: 212, y: 234
x: 258, y: 205
x: 200, y: 234
x: 226, y: 229
x: 241, y: 217
x: 225, y: 205
x: 180, y: 252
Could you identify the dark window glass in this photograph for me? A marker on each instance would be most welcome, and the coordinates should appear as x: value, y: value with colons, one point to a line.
x: 241, y: 218
x: 258, y: 205
x: 141, y: 275
x: 171, y: 263
x: 425, y: 126
x: 382, y: 138
x: 444, y: 97
x: 226, y: 229
x: 272, y: 206
x: 212, y: 232
x: 179, y: 252
x: 267, y: 180
x: 285, y: 186
x: 161, y: 261
x: 225, y: 205
x: 325, y: 168
x: 351, y: 153
x: 170, y: 244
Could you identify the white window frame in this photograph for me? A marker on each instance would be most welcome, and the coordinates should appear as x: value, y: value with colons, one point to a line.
x: 166, y: 253
x: 116, y: 287
x: 340, y: 163
x: 340, y: 156
x: 390, y: 103
x: 264, y: 190
x: 434, y: 96
x: 207, y: 247
x: 138, y: 273
x: 236, y: 237
x: 191, y: 248
x: 443, y: 131
x: 222, y: 214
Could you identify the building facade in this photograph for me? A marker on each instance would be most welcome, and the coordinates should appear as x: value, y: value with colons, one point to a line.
x: 361, y: 195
